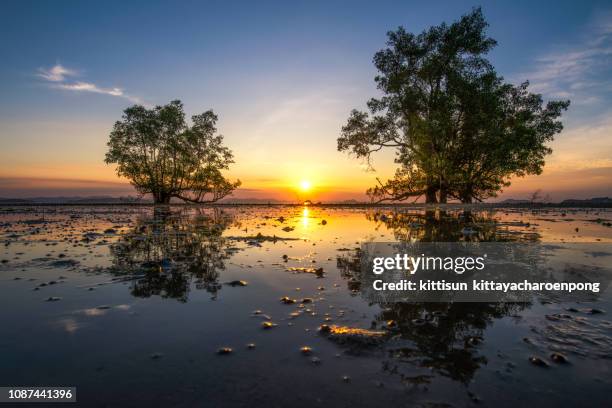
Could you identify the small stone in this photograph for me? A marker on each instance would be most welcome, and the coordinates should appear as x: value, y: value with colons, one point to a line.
x: 156, y: 356
x: 315, y: 360
x: 346, y: 379
x: 287, y: 300
x: 391, y: 324
x: 251, y: 346
x: 306, y: 350
x: 225, y: 350
x: 324, y: 328
x: 558, y: 358
x: 53, y: 299
x: 473, y: 341
x: 237, y: 283
x: 268, y: 325
x: 538, y: 361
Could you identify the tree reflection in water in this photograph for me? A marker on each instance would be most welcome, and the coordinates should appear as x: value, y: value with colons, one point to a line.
x: 443, y: 337
x: 166, y: 252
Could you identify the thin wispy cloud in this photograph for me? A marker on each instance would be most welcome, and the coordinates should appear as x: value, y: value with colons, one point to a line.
x: 59, y: 76
x: 56, y: 73
x: 579, y: 71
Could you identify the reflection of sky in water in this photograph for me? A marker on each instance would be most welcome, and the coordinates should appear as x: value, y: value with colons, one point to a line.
x: 130, y: 285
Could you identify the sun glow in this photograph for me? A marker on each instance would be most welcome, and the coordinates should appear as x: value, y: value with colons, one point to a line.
x: 305, y: 185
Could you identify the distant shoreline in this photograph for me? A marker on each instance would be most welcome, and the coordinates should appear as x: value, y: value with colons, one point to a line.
x: 450, y: 206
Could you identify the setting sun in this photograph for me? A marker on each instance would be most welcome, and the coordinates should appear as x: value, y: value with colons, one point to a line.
x: 305, y: 185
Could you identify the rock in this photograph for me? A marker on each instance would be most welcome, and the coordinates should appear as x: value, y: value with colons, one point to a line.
x: 558, y: 358
x: 156, y: 356
x: 391, y: 324
x: 237, y: 283
x: 315, y: 360
x: 473, y: 341
x: 286, y: 300
x: 537, y: 361
x: 225, y: 350
x: 251, y: 346
x: 324, y: 328
x: 353, y: 335
x: 268, y: 325
x: 346, y: 379
x: 53, y: 299
x: 306, y: 350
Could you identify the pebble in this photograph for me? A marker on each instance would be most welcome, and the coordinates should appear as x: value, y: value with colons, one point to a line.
x: 268, y: 325
x: 538, y: 361
x: 237, y: 283
x: 324, y: 328
x: 558, y: 358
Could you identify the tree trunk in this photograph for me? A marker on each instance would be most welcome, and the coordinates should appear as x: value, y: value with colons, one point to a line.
x: 430, y: 195
x: 443, y: 195
x: 161, y: 198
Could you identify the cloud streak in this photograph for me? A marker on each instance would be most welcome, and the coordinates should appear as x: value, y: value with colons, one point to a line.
x: 56, y: 73
x: 59, y: 76
x: 580, y: 71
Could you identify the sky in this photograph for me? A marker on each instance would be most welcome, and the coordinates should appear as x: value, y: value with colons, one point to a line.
x: 283, y: 77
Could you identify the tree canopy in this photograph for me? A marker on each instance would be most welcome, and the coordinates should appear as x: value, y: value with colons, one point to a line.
x: 459, y: 131
x: 163, y: 156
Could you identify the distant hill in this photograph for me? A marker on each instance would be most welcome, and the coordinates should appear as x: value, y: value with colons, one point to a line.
x: 588, y: 201
x: 73, y: 200
x: 514, y: 201
x: 92, y: 200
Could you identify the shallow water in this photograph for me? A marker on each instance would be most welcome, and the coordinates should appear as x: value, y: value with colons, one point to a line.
x: 131, y: 306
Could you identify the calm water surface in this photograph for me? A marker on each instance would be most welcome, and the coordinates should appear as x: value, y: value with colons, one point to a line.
x: 131, y: 306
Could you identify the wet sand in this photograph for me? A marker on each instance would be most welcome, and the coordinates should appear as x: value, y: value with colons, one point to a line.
x: 262, y: 306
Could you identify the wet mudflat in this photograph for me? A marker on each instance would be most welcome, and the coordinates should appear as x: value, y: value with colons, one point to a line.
x: 256, y: 306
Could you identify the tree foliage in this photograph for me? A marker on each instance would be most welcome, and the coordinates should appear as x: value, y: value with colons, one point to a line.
x: 459, y: 131
x: 163, y: 156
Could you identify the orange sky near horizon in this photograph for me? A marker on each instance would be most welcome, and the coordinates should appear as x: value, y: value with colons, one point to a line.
x: 54, y: 159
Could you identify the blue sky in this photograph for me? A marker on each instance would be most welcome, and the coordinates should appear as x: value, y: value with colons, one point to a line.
x: 282, y: 76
